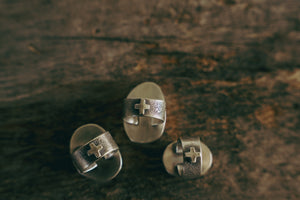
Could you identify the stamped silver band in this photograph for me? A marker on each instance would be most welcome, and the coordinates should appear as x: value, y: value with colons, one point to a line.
x: 144, y: 107
x: 192, y: 157
x: 86, y: 156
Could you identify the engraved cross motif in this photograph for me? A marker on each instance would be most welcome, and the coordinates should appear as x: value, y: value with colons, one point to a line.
x: 193, y: 154
x: 95, y: 149
x: 142, y: 106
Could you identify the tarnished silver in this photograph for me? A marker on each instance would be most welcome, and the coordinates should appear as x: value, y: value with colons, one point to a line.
x: 135, y: 108
x: 187, y: 157
x: 95, y: 153
x: 85, y: 157
x: 144, y: 113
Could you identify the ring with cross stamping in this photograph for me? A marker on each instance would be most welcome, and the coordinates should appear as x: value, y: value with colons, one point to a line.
x: 153, y: 108
x: 94, y: 153
x: 187, y: 157
x: 102, y: 146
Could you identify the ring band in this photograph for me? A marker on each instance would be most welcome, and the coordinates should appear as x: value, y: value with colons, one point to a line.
x: 85, y: 157
x: 192, y: 157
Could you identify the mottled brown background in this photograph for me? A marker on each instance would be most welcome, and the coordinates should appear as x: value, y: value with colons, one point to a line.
x: 229, y: 69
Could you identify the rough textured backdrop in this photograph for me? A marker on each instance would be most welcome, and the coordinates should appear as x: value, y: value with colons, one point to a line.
x: 229, y: 69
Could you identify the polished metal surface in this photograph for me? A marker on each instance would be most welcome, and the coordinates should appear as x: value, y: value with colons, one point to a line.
x: 187, y: 157
x: 193, y: 154
x: 135, y: 108
x: 95, y: 153
x: 144, y: 113
x: 86, y: 156
x: 142, y: 106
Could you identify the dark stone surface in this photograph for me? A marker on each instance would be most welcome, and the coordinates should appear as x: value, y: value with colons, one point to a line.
x: 229, y: 70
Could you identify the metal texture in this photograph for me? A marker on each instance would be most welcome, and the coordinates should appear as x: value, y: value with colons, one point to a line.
x: 188, y: 157
x: 144, y: 113
x: 102, y: 146
x: 144, y: 107
x: 95, y: 154
x: 190, y: 149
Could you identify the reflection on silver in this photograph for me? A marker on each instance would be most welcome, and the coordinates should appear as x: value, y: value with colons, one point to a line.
x: 95, y: 150
x: 142, y: 106
x: 151, y: 108
x: 144, y: 113
x: 95, y: 153
x: 187, y: 157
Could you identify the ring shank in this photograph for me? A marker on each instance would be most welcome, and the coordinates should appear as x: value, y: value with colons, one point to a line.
x: 84, y: 161
x: 189, y: 168
x: 156, y: 110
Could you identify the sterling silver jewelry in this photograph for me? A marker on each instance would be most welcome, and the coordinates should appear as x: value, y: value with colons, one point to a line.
x: 187, y: 157
x: 145, y: 113
x: 95, y: 153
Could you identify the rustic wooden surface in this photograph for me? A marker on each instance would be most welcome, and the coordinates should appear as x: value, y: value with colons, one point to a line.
x: 229, y: 69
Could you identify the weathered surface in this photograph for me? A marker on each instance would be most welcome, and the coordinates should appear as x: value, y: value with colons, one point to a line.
x: 230, y: 71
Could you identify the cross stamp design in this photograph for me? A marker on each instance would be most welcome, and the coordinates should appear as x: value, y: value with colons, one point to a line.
x: 95, y: 149
x: 142, y: 106
x: 193, y: 154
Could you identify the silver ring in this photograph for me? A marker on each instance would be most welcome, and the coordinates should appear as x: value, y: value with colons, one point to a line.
x: 145, y: 113
x: 85, y: 157
x: 187, y: 157
x: 95, y: 154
